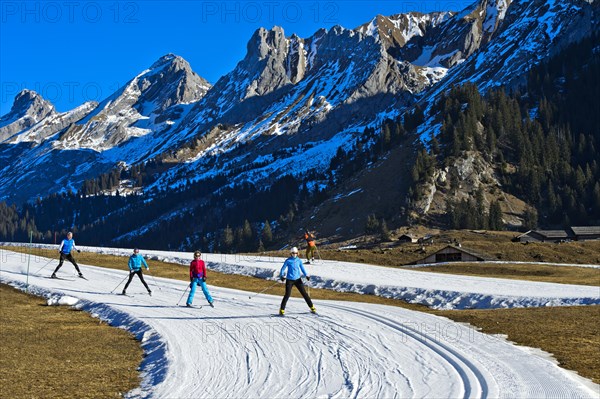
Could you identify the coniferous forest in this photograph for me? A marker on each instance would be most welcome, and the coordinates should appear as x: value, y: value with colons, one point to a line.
x: 543, y: 138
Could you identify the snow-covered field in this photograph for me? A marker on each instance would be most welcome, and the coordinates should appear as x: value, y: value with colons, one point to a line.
x: 437, y: 290
x: 238, y: 349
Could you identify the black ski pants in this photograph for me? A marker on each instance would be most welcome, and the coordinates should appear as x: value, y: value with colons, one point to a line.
x: 140, y: 275
x: 288, y: 291
x: 68, y: 257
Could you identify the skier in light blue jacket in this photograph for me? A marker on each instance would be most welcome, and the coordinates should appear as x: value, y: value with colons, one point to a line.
x: 294, y: 267
x: 135, y: 267
x: 67, y: 246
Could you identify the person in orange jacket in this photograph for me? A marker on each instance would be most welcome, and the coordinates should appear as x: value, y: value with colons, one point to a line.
x: 311, y: 246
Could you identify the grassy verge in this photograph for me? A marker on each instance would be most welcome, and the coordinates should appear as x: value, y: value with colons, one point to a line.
x: 58, y: 352
x: 570, y: 333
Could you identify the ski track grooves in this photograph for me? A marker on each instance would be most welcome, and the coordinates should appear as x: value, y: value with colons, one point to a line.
x: 468, y: 373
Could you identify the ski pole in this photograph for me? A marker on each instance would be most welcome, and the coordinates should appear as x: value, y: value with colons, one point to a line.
x: 119, y: 284
x: 186, y: 288
x: 47, y: 263
x: 268, y: 288
x: 319, y: 253
x: 153, y: 279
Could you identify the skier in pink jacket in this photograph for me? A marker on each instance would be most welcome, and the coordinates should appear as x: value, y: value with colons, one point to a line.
x: 198, y: 278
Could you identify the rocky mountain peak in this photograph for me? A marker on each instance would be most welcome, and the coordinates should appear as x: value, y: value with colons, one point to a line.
x: 265, y: 43
x: 149, y: 104
x: 28, y: 102
x: 28, y: 108
x: 166, y: 59
x: 271, y: 62
x: 170, y: 81
x: 397, y: 30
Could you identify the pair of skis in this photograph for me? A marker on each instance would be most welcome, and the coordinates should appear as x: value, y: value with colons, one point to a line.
x: 295, y: 317
x: 65, y: 279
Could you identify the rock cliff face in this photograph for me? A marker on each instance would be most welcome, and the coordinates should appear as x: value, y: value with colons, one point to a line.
x: 28, y: 109
x: 460, y: 181
x: 396, y: 31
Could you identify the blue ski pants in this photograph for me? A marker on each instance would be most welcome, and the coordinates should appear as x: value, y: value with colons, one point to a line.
x: 198, y: 282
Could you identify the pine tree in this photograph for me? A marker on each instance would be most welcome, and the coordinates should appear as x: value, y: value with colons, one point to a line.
x: 384, y: 231
x: 495, y: 216
x: 261, y: 246
x: 372, y: 225
x: 266, y: 233
x: 247, y: 236
x: 386, y: 137
x: 530, y: 218
x: 480, y: 221
x: 227, y: 238
x: 596, y: 200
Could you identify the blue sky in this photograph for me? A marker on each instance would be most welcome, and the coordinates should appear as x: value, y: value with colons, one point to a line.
x: 74, y: 51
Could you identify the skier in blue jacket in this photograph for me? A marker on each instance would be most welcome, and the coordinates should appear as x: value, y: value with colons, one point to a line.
x: 294, y: 266
x: 66, y: 247
x: 135, y: 267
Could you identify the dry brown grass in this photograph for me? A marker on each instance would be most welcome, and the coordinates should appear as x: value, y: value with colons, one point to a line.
x: 58, y: 352
x: 570, y: 333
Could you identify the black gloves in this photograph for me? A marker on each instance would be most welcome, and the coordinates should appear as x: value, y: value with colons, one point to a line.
x: 204, y: 279
x: 78, y: 251
x: 282, y: 278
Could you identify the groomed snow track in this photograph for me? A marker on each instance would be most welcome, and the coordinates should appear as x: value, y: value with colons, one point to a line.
x: 348, y: 350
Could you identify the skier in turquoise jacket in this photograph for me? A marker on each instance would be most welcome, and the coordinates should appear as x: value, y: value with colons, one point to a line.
x: 135, y: 267
x: 67, y: 246
x: 294, y: 268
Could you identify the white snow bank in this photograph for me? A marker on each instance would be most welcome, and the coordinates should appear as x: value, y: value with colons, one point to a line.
x: 62, y: 300
x: 437, y: 290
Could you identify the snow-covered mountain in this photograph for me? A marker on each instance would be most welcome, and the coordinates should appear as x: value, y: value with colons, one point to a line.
x: 52, y: 122
x: 54, y: 152
x: 28, y: 109
x: 289, y: 105
x: 151, y: 103
x: 502, y: 40
x: 311, y: 96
